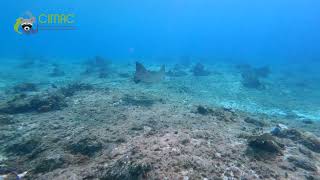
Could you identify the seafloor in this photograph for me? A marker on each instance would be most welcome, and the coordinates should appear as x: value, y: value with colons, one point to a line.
x: 76, y: 119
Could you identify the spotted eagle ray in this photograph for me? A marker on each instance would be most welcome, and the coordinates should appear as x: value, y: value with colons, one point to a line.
x: 147, y: 76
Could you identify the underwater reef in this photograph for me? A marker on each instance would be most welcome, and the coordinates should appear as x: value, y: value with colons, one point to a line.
x: 91, y: 120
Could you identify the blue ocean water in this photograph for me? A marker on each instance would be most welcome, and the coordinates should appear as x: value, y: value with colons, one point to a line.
x: 266, y: 32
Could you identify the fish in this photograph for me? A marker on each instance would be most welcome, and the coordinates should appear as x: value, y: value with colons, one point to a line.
x: 147, y: 76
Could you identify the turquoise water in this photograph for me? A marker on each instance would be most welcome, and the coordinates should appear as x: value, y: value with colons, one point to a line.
x: 73, y: 100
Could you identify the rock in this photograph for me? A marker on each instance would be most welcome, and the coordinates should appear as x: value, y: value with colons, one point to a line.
x: 124, y: 170
x: 265, y: 145
x: 87, y: 147
x: 255, y: 122
x: 199, y: 70
x: 302, y: 163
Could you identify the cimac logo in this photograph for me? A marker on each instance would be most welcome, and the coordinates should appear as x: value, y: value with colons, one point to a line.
x: 26, y: 24
x: 29, y: 24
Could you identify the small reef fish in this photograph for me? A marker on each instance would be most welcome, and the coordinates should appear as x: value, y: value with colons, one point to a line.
x: 147, y: 76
